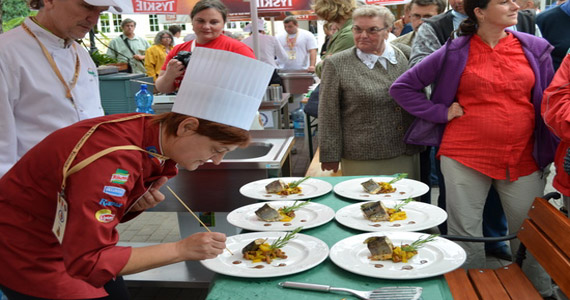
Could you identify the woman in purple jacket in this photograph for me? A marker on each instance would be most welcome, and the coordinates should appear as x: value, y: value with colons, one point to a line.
x: 484, y: 114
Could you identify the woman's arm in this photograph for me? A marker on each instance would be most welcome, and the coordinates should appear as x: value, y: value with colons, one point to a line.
x: 203, y: 245
x: 408, y: 89
x: 330, y: 128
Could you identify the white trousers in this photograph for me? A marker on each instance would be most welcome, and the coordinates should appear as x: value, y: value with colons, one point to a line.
x: 466, y: 192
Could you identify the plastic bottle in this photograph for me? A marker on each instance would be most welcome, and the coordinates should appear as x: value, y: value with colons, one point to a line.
x: 298, y: 117
x: 143, y: 99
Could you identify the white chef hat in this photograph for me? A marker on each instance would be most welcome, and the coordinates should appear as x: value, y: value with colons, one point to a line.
x: 111, y: 3
x: 248, y: 27
x: 223, y: 87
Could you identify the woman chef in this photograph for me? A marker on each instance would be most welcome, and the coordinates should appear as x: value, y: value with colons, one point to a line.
x: 61, y: 203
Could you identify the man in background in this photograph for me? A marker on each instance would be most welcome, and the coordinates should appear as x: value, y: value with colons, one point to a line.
x: 43, y: 91
x: 129, y: 48
x: 269, y: 47
x: 176, y: 32
x: 420, y: 10
x: 300, y: 46
x: 554, y: 24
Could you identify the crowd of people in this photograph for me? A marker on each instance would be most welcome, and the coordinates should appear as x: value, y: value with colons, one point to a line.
x: 480, y: 93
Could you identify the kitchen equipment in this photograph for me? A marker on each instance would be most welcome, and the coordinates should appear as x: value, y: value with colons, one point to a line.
x: 383, y: 293
x: 276, y: 92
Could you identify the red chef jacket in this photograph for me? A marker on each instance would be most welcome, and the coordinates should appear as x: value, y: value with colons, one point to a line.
x: 98, y: 197
x: 556, y: 114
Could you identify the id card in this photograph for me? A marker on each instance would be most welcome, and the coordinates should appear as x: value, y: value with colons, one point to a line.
x: 292, y: 54
x: 60, y: 217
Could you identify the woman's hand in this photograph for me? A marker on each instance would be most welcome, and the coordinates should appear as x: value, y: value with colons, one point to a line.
x: 152, y: 197
x: 454, y: 111
x: 202, y: 245
x: 330, y: 166
x: 165, y: 81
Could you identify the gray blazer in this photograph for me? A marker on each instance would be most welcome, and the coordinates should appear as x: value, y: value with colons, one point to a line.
x: 358, y: 119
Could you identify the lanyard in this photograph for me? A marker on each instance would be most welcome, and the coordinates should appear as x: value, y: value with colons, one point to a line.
x: 291, y: 41
x: 53, y: 65
x: 66, y: 167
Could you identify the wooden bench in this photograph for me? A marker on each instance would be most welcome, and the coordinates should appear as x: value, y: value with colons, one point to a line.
x: 546, y: 234
x: 314, y: 169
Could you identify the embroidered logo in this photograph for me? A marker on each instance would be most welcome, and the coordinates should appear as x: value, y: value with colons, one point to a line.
x: 152, y: 149
x: 120, y: 176
x: 104, y: 215
x: 114, y: 191
x: 106, y: 202
x: 91, y: 72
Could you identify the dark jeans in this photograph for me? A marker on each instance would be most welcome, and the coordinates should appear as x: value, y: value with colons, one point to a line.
x: 116, y: 289
x: 494, y: 220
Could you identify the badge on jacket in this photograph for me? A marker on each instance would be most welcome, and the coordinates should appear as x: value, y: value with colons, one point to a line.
x: 60, y: 217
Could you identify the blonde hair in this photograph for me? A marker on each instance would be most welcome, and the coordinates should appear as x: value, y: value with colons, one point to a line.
x: 372, y: 11
x: 334, y: 10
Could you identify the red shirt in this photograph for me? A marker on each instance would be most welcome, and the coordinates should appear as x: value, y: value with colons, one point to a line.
x: 222, y: 42
x: 556, y: 113
x: 495, y: 134
x: 98, y: 197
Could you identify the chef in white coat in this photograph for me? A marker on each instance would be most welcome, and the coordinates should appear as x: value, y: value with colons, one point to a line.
x: 47, y: 80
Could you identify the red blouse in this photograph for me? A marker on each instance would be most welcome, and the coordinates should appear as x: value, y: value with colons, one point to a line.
x: 495, y: 134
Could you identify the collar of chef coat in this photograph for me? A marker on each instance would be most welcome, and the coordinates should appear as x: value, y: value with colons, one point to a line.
x: 47, y: 38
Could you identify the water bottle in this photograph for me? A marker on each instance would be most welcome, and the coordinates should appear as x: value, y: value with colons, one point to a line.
x: 298, y: 117
x: 144, y: 100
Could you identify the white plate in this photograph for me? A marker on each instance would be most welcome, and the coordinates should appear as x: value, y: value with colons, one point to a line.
x: 405, y: 188
x: 303, y: 252
x: 310, y: 188
x: 308, y: 216
x: 420, y: 216
x: 434, y: 258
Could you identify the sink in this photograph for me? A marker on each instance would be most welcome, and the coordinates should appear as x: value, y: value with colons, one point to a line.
x: 254, y: 150
x: 216, y: 187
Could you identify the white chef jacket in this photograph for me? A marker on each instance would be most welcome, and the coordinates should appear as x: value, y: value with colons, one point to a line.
x: 305, y: 41
x: 32, y: 98
x: 269, y: 49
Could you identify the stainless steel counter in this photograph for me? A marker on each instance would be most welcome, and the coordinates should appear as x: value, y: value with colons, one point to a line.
x: 216, y: 187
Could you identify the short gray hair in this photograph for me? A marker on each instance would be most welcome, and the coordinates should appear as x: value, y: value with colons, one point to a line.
x: 372, y: 11
x: 128, y: 21
x: 158, y: 37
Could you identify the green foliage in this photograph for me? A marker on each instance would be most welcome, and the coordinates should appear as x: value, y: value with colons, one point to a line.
x: 102, y: 59
x: 13, y: 13
x: 13, y: 9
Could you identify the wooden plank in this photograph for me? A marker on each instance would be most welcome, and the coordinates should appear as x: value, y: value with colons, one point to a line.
x: 516, y: 283
x: 460, y: 286
x: 487, y: 284
x: 552, y: 222
x: 548, y: 255
x: 314, y: 169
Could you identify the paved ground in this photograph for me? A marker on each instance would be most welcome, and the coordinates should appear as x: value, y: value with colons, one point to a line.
x: 158, y: 227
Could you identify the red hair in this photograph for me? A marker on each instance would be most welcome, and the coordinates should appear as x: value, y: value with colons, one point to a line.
x: 225, y: 134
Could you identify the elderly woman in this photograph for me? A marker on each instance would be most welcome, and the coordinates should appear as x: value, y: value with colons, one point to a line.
x: 156, y: 54
x: 339, y: 13
x: 485, y: 115
x: 208, y: 20
x: 360, y: 125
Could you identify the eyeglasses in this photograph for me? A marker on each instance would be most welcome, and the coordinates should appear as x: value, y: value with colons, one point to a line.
x: 369, y: 31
